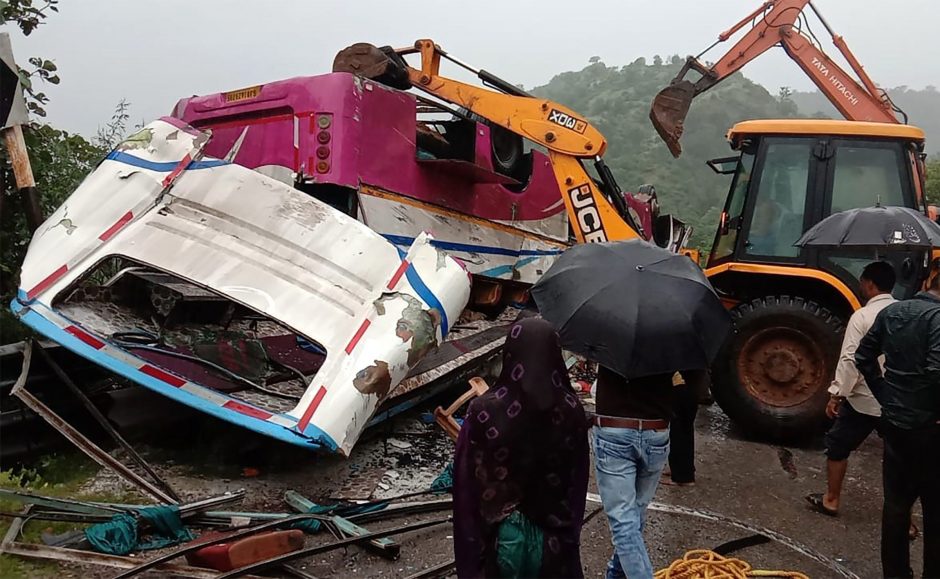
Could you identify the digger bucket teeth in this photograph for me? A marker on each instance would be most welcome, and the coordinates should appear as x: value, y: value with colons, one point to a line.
x: 668, y: 113
x: 382, y: 65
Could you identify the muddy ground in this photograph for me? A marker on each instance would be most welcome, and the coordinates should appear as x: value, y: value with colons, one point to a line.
x: 742, y: 481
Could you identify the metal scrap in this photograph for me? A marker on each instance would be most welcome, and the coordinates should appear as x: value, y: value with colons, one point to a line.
x: 445, y: 569
x: 196, y: 545
x: 91, y: 449
x: 311, y: 551
x: 386, y: 547
x: 34, y: 551
x: 112, y: 432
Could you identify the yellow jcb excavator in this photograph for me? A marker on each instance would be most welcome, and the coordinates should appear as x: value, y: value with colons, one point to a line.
x: 790, y: 304
x: 597, y: 210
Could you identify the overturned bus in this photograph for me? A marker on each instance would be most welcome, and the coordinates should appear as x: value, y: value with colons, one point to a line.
x: 301, y: 258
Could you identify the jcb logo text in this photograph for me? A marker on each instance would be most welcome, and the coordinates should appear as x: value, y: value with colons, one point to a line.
x: 586, y: 214
x: 569, y: 122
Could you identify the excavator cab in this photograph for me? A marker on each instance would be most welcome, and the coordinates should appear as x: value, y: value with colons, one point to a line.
x: 789, y: 303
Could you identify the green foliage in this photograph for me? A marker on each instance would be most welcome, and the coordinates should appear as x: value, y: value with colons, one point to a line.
x: 617, y: 100
x: 921, y: 107
x: 55, y: 475
x: 113, y: 132
x: 27, y: 16
x: 24, y: 14
x: 60, y: 161
x: 933, y: 180
x: 45, y: 71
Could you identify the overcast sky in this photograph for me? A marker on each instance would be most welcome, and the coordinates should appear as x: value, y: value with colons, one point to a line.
x: 154, y: 52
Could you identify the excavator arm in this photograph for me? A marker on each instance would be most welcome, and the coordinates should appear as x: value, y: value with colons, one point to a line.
x: 595, y: 215
x: 774, y: 23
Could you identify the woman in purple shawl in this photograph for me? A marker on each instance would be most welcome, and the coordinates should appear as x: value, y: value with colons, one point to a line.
x: 521, y: 466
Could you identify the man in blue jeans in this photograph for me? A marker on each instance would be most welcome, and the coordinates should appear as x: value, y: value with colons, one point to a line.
x: 631, y: 446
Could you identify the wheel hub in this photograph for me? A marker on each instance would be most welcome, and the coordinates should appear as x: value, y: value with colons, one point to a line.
x: 780, y: 366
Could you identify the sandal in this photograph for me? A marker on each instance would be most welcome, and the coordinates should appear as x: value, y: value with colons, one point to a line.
x: 669, y: 482
x: 816, y: 502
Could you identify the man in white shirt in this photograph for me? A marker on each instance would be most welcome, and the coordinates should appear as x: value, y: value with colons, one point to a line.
x: 851, y: 403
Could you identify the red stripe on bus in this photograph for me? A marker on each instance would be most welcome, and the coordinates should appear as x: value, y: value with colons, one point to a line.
x: 355, y: 339
x: 85, y: 337
x: 398, y: 273
x: 124, y: 220
x: 159, y: 374
x: 308, y: 413
x: 184, y: 162
x: 247, y: 410
x: 48, y: 281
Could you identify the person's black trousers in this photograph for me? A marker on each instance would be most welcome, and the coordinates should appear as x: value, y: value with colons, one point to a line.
x: 682, y: 434
x: 911, y: 470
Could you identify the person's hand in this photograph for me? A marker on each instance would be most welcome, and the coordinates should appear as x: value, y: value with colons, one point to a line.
x: 832, y: 408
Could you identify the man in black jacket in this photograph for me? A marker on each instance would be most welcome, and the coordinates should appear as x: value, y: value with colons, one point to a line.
x: 907, y: 333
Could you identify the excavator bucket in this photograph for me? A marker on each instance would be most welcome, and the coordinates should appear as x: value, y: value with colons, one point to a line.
x: 382, y: 65
x: 668, y: 113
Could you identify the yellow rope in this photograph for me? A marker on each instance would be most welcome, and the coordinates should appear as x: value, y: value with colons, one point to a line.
x: 704, y: 564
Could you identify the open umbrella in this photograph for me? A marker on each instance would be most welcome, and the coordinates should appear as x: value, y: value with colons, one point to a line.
x: 873, y: 227
x: 633, y: 307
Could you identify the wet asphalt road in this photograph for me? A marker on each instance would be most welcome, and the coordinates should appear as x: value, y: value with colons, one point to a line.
x: 756, y: 483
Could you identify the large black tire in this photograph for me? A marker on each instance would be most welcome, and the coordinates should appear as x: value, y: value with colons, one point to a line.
x: 507, y: 148
x: 773, y: 375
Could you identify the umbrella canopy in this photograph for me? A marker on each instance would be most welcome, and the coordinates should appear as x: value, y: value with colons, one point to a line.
x: 873, y: 227
x: 633, y: 307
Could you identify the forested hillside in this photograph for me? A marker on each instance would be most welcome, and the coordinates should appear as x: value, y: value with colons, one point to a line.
x: 922, y: 108
x: 617, y: 100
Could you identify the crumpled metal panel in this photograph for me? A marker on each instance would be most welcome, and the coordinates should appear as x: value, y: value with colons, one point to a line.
x: 270, y: 247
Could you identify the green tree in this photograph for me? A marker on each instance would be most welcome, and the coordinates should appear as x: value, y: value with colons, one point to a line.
x: 617, y: 101
x: 933, y: 180
x: 60, y: 161
x: 27, y: 17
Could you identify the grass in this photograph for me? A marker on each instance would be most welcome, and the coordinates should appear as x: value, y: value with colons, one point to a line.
x: 56, y: 475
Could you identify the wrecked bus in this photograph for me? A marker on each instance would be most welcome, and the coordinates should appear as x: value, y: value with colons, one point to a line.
x: 400, y: 165
x: 233, y: 293
x: 294, y: 257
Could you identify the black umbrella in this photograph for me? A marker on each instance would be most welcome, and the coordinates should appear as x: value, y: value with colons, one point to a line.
x: 633, y: 307
x: 873, y: 227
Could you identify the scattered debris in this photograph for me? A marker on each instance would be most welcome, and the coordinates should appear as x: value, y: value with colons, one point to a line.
x: 385, y: 547
x: 445, y: 418
x: 246, y: 551
x: 78, y: 439
x: 787, y: 463
x: 401, y: 444
x: 104, y: 423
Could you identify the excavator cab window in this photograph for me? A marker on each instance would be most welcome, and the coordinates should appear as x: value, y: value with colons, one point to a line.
x: 779, y: 202
x: 731, y: 217
x: 863, y: 173
x: 866, y: 173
